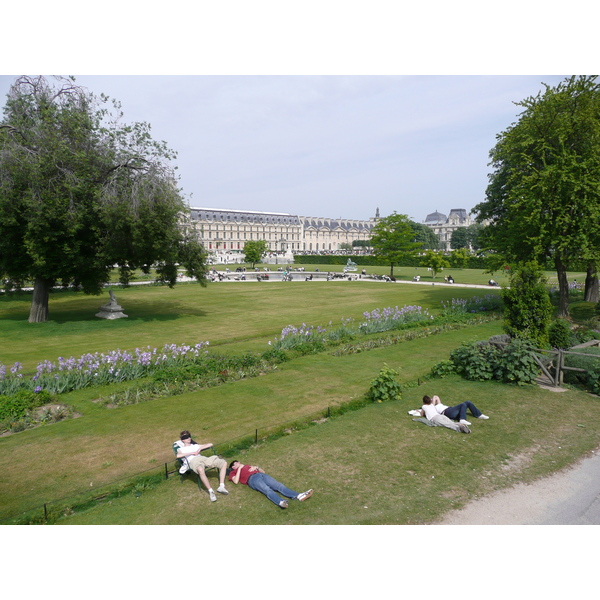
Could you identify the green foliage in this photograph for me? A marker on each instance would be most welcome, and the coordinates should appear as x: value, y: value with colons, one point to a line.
x: 392, y: 239
x: 434, y: 261
x: 80, y: 192
x: 425, y: 236
x: 459, y: 258
x: 543, y: 199
x: 18, y: 405
x: 560, y: 334
x: 254, y: 250
x: 482, y: 361
x: 385, y: 386
x: 527, y: 306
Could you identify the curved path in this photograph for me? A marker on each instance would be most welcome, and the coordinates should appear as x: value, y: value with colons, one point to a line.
x: 570, y: 497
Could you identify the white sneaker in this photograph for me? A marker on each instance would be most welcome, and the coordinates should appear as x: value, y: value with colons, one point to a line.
x: 184, y: 467
x: 304, y: 495
x: 283, y: 504
x: 464, y: 422
x: 221, y: 489
x: 213, y: 496
x: 463, y: 428
x: 483, y: 417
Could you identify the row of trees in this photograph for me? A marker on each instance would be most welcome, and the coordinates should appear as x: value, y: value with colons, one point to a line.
x: 81, y: 192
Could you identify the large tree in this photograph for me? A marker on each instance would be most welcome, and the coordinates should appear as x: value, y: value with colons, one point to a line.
x: 543, y: 197
x: 392, y: 238
x: 425, y: 236
x: 254, y: 250
x: 81, y: 192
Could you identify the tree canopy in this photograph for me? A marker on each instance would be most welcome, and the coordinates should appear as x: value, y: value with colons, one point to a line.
x: 254, y: 251
x: 392, y: 238
x: 80, y: 192
x: 543, y: 197
x: 425, y: 236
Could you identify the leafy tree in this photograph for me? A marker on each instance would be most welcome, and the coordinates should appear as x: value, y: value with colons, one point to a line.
x: 527, y: 306
x: 254, y: 251
x: 425, y: 236
x: 80, y: 192
x: 392, y: 239
x: 460, y: 238
x: 543, y: 197
x: 474, y: 232
x: 459, y: 258
x: 361, y: 243
x: 434, y: 261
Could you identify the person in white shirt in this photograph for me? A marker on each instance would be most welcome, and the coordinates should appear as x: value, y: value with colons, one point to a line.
x: 428, y: 410
x: 189, y: 451
x: 458, y: 412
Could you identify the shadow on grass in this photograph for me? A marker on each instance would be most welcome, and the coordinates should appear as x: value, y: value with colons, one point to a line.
x: 85, y: 310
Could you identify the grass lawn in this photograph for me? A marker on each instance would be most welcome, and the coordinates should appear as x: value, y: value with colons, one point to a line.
x: 377, y: 466
x: 531, y: 432
x: 235, y: 316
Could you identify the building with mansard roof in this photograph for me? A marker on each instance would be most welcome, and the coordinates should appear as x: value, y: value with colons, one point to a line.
x: 227, y: 230
x: 444, y: 225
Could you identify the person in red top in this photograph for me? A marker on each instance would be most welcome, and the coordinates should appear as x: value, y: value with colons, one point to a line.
x: 255, y: 478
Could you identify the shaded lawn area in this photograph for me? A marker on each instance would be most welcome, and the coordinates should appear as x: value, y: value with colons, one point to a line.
x: 105, y: 445
x: 378, y: 466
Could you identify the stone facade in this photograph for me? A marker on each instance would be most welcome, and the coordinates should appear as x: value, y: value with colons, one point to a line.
x: 444, y: 226
x: 227, y: 230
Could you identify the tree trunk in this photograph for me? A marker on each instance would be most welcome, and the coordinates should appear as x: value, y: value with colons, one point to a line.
x: 563, y: 288
x: 391, y: 270
x: 592, y: 292
x: 39, y: 302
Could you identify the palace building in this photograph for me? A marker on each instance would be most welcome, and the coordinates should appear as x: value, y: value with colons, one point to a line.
x: 444, y: 225
x: 227, y: 230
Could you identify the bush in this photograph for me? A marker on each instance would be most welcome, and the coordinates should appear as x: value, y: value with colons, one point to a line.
x: 16, y: 406
x: 527, y: 305
x: 560, y: 335
x: 482, y: 361
x: 518, y: 364
x: 385, y: 386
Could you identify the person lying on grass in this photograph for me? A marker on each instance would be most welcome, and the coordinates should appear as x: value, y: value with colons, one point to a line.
x: 189, y: 451
x: 255, y: 478
x: 458, y: 412
x: 428, y: 410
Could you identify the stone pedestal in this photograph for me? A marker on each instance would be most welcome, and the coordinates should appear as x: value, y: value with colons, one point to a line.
x: 111, y: 310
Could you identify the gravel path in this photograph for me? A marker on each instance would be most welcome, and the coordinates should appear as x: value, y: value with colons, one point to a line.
x: 570, y: 497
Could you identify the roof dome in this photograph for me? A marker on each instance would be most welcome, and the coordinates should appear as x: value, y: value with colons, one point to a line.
x: 435, y: 217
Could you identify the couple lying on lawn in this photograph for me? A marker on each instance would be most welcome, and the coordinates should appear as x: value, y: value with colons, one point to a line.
x: 443, y: 415
x: 254, y: 477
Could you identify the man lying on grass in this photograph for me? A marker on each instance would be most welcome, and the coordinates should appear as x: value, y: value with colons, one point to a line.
x: 255, y: 478
x: 189, y: 451
x: 428, y: 410
x: 458, y: 412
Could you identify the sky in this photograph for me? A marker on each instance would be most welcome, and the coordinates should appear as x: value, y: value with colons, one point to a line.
x: 325, y: 146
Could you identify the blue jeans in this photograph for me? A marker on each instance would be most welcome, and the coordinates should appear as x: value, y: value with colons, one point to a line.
x: 265, y: 484
x: 460, y: 411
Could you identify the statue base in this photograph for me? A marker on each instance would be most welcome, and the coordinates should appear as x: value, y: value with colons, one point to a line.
x: 111, y: 311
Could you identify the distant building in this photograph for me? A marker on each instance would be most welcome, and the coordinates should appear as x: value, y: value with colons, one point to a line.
x: 227, y: 230
x: 444, y: 226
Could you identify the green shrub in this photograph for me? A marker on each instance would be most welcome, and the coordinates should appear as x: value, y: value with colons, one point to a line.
x: 16, y: 406
x: 385, y: 386
x: 477, y: 361
x: 527, y: 305
x: 560, y: 334
x: 517, y: 362
x: 443, y: 368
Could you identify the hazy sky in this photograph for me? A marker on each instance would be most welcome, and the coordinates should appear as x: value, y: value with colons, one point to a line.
x: 329, y: 146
